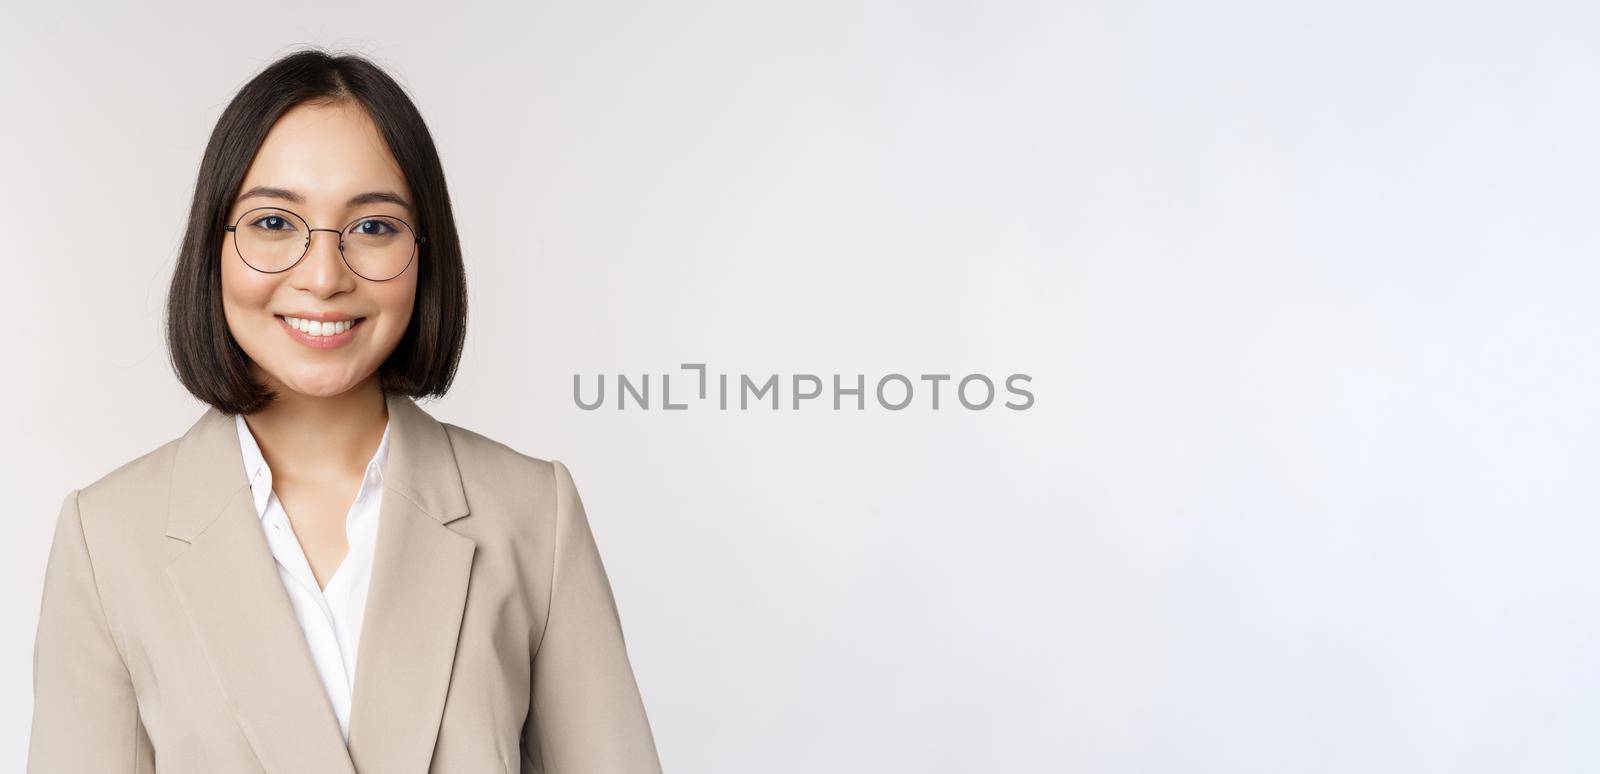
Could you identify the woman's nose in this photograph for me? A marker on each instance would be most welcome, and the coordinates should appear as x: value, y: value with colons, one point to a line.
x: 323, y: 263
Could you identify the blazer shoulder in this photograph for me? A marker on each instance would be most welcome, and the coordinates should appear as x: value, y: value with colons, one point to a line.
x: 487, y: 463
x: 481, y: 448
x: 128, y: 506
x: 144, y: 479
x: 520, y: 492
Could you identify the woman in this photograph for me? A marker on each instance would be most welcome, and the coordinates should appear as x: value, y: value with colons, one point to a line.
x: 318, y: 576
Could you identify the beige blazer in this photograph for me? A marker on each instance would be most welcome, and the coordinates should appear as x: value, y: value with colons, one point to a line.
x: 491, y: 643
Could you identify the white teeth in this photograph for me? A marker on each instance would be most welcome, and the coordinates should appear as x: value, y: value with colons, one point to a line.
x: 316, y: 328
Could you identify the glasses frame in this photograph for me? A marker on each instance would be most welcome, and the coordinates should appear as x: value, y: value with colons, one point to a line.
x: 416, y: 240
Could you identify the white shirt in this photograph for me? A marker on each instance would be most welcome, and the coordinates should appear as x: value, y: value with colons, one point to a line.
x: 330, y: 618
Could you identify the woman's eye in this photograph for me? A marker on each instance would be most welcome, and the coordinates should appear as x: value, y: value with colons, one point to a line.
x: 271, y: 223
x: 374, y: 228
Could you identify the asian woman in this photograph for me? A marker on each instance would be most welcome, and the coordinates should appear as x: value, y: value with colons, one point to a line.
x: 318, y: 577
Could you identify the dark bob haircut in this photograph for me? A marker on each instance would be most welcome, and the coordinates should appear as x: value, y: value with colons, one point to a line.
x: 207, y: 359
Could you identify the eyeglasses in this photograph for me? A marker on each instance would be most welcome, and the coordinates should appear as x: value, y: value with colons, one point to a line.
x: 375, y: 247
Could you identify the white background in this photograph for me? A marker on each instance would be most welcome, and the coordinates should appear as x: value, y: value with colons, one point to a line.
x: 1306, y: 290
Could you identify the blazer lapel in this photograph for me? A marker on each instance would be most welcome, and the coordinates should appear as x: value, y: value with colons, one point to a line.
x: 228, y: 584
x: 415, y: 605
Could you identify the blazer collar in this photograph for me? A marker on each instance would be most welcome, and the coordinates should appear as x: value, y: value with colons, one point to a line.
x: 210, y: 468
x: 227, y: 583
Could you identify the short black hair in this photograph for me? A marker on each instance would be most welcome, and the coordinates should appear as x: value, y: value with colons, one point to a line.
x: 207, y: 359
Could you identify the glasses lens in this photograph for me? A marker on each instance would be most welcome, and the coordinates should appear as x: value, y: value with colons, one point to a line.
x: 379, y: 247
x: 271, y: 239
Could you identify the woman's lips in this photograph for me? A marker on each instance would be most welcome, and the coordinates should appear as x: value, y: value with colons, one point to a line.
x: 321, y: 342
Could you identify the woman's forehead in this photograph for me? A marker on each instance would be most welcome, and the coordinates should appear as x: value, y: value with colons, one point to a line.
x: 326, y: 154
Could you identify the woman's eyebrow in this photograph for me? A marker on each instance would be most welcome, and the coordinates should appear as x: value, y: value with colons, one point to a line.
x: 370, y: 197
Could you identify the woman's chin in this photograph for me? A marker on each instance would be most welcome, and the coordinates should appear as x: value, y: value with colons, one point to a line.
x: 319, y: 386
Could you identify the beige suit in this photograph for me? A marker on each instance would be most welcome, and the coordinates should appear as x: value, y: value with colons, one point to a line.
x: 491, y: 644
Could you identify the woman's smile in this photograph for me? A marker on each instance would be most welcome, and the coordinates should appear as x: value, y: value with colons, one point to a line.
x: 320, y: 334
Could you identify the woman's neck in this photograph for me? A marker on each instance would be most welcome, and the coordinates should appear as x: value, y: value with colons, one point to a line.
x: 311, y: 438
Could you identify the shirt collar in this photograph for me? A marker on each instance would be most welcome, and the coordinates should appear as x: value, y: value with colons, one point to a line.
x: 259, y: 473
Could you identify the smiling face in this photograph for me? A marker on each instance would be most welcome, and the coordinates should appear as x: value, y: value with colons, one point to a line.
x: 329, y: 165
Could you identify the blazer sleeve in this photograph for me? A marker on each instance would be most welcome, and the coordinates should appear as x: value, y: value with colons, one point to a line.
x: 586, y: 716
x: 85, y: 719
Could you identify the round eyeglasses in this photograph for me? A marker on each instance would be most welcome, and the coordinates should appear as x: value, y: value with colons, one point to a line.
x: 375, y: 247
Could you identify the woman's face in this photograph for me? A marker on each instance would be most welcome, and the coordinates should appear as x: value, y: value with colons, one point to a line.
x: 315, y: 159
